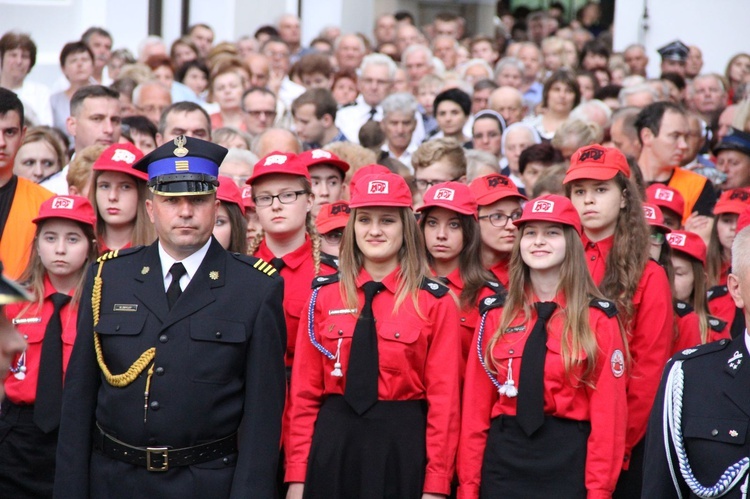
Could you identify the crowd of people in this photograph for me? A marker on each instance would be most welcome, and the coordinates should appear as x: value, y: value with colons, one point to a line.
x: 524, y: 223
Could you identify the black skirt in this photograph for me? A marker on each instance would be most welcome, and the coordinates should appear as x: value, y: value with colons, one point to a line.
x: 379, y: 455
x: 550, y: 463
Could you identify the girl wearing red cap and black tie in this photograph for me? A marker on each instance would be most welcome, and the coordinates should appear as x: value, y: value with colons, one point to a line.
x: 544, y: 392
x: 451, y: 231
x: 118, y: 194
x: 499, y: 204
x: 63, y: 246
x: 693, y: 323
x: 615, y: 239
x: 374, y: 401
x: 231, y: 227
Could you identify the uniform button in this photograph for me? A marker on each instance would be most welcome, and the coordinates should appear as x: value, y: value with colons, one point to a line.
x: 117, y: 327
x: 397, y: 335
x: 218, y: 334
x: 511, y: 351
x: 159, y: 371
x: 463, y: 319
x: 154, y: 405
x: 593, y: 258
x: 226, y: 460
x: 714, y: 432
x: 341, y: 333
x: 25, y: 336
x: 163, y: 338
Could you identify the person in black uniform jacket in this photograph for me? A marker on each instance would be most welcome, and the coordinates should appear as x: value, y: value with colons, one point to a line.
x: 175, y: 387
x: 703, y: 404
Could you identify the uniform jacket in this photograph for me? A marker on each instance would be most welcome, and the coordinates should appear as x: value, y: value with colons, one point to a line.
x: 649, y: 339
x: 603, y: 406
x: 32, y: 324
x: 419, y: 359
x: 688, y: 328
x: 218, y: 369
x: 715, y: 419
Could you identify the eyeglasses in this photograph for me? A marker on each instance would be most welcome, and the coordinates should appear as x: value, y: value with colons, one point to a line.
x: 500, y: 219
x: 657, y: 238
x: 284, y: 198
x: 333, y: 237
x: 258, y: 114
x: 422, y: 184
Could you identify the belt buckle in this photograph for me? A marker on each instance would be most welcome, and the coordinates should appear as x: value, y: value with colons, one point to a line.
x: 159, y: 453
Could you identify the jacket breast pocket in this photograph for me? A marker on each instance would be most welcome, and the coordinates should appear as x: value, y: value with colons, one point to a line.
x: 120, y: 324
x: 217, y: 350
x: 502, y: 354
x: 712, y: 444
x: 398, y: 345
x: 118, y: 334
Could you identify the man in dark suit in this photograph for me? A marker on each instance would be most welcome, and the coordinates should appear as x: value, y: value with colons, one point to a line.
x: 176, y: 383
x: 703, y: 405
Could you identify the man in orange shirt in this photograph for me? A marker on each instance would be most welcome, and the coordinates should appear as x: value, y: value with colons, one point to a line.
x: 19, y: 198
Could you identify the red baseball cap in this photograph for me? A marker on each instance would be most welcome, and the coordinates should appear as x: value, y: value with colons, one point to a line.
x: 121, y: 158
x: 74, y: 208
x: 229, y: 192
x: 316, y: 157
x: 453, y: 196
x: 664, y: 196
x: 278, y: 162
x: 493, y: 187
x: 732, y: 201
x: 654, y: 217
x: 367, y: 170
x: 595, y: 162
x: 380, y: 190
x: 689, y: 243
x: 247, y: 197
x: 332, y: 216
x: 743, y: 220
x: 550, y: 208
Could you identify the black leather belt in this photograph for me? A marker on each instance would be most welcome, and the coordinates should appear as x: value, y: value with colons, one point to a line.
x: 163, y: 458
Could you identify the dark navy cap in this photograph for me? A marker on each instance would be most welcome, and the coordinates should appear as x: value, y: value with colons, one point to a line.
x: 10, y: 291
x: 735, y: 140
x: 183, y: 167
x: 674, y: 51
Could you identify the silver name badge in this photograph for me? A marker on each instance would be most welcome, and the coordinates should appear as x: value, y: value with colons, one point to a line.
x: 343, y: 311
x: 125, y: 307
x: 28, y: 320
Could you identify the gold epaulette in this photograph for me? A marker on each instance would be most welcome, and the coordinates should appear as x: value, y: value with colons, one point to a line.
x: 126, y: 378
x: 264, y: 267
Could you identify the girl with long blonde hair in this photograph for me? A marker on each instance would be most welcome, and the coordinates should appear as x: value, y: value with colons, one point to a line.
x: 374, y: 399
x: 548, y: 367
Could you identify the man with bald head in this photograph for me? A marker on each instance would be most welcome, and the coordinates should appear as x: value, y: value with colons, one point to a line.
x: 694, y: 62
x: 151, y: 99
x: 623, y: 132
x: 407, y: 35
x: 707, y: 96
x: 385, y: 29
x: 260, y: 69
x: 445, y: 48
x: 349, y: 51
x: 203, y: 37
x: 636, y: 59
x: 417, y: 61
x: 290, y: 32
x: 508, y: 101
x: 276, y: 139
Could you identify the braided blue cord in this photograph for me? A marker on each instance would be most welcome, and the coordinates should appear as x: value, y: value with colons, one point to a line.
x: 731, y: 475
x: 311, y: 329
x: 479, y: 352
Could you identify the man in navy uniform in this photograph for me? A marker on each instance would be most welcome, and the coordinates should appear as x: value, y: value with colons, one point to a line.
x: 175, y: 387
x: 703, y: 406
x: 674, y: 57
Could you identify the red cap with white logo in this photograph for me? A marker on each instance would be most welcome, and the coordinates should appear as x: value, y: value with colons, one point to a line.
x: 278, y: 162
x: 551, y: 208
x: 121, y: 158
x: 453, y: 196
x: 492, y: 188
x: 387, y: 189
x: 247, y: 197
x: 655, y: 218
x: 316, y: 157
x: 596, y: 162
x: 74, y: 208
x: 666, y: 197
x: 689, y: 243
x: 229, y: 192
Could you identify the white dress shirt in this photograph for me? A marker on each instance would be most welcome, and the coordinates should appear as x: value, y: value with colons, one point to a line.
x: 191, y: 264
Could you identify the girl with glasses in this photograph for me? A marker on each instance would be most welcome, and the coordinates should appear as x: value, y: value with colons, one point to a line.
x: 615, y: 238
x: 375, y: 386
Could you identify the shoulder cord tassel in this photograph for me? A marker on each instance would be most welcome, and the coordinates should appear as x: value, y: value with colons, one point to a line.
x: 672, y: 425
x: 337, y: 365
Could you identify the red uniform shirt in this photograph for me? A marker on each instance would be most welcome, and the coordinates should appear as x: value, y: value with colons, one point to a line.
x: 419, y: 357
x: 31, y: 324
x: 689, y: 332
x: 501, y: 271
x: 650, y: 336
x: 298, y: 273
x: 603, y: 405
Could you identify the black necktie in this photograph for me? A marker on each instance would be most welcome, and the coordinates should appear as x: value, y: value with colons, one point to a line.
x: 361, y: 390
x: 174, y: 290
x: 373, y: 112
x: 530, y: 409
x: 278, y: 263
x: 49, y: 386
